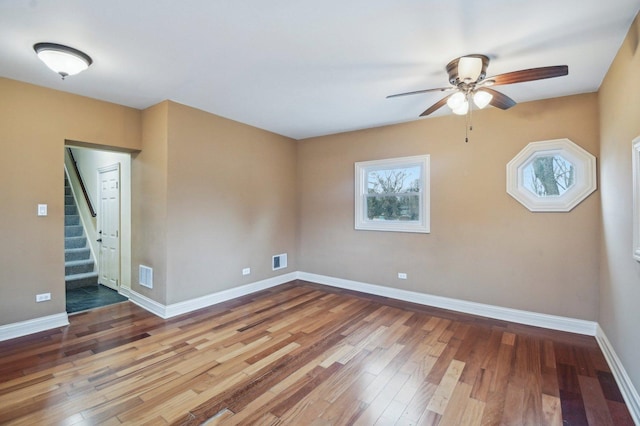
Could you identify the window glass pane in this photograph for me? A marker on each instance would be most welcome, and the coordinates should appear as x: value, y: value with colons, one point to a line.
x: 404, y: 207
x: 548, y: 176
x: 394, y: 180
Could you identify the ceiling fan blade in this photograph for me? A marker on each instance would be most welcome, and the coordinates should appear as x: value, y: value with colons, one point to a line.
x: 499, y: 100
x: 417, y: 92
x: 436, y: 106
x: 530, y: 75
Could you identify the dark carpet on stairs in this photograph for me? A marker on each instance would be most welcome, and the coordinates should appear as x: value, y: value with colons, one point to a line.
x: 84, y: 298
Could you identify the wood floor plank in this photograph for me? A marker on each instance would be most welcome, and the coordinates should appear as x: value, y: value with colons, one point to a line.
x: 551, y: 411
x: 304, y: 354
x: 441, y: 398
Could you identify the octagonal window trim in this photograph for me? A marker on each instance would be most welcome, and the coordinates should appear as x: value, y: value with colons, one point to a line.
x: 583, y: 175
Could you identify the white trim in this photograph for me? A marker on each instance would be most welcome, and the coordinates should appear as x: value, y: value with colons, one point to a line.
x: 224, y: 295
x: 144, y: 302
x: 629, y: 392
x: 168, y: 311
x: 585, y: 175
x: 23, y: 328
x: 553, y: 322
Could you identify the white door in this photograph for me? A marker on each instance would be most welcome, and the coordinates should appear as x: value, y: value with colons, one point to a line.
x: 109, y: 226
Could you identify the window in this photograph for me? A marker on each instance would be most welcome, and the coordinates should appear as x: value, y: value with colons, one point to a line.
x: 551, y: 176
x: 393, y: 194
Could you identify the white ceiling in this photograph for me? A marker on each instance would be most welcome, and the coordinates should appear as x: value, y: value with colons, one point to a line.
x: 306, y: 68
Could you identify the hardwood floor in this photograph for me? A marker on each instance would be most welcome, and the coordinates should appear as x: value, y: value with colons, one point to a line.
x: 305, y: 354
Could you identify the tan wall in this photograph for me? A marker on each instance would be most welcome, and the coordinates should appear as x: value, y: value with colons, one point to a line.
x: 149, y: 202
x: 34, y: 123
x: 484, y: 246
x: 231, y: 203
x: 620, y: 273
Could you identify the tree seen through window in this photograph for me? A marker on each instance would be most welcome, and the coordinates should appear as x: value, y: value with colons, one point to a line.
x: 394, y: 194
x: 548, y: 176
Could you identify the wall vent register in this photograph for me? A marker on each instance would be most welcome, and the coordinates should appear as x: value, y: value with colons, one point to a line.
x: 145, y: 276
x: 279, y: 261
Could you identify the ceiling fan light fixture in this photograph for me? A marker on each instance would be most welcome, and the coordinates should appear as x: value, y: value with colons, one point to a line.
x: 482, y: 98
x: 62, y: 59
x: 469, y: 68
x: 456, y: 100
x: 462, y: 109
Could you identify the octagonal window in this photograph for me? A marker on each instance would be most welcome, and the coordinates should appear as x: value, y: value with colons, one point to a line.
x: 551, y: 176
x: 548, y: 175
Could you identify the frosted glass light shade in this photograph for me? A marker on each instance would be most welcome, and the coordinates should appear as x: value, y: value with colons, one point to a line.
x: 456, y: 100
x: 462, y: 109
x: 62, y: 59
x: 482, y: 98
x: 469, y: 68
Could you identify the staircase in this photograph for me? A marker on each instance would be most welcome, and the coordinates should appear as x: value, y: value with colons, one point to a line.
x: 79, y: 265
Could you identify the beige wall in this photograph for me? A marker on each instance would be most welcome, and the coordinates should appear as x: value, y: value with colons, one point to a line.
x: 34, y: 123
x: 231, y: 203
x: 209, y: 196
x: 620, y: 273
x: 149, y: 202
x: 484, y: 246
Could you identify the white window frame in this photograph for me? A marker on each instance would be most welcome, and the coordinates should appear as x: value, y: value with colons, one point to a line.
x: 362, y: 168
x: 636, y: 197
x: 585, y: 176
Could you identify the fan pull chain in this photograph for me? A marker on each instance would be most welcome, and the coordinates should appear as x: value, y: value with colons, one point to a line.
x: 469, y: 124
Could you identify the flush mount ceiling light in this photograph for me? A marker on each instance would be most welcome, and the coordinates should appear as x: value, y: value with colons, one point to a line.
x: 62, y: 59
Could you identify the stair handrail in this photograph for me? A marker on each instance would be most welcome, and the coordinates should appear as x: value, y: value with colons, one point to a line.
x: 84, y: 189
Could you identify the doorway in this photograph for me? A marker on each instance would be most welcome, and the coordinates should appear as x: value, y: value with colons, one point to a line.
x: 104, y: 209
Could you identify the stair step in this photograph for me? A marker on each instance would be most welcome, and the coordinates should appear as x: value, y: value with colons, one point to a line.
x: 67, y: 190
x: 70, y: 209
x: 69, y: 201
x: 89, y: 279
x: 77, y: 254
x: 71, y: 219
x: 75, y: 242
x: 74, y: 267
x: 73, y: 231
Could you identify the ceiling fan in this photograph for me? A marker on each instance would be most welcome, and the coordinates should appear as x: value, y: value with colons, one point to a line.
x: 467, y: 76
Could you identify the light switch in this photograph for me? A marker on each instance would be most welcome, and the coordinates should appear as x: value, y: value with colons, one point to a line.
x: 42, y: 209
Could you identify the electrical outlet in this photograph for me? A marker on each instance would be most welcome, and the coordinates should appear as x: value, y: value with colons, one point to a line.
x: 43, y: 297
x: 42, y: 209
x: 402, y: 275
x: 246, y: 271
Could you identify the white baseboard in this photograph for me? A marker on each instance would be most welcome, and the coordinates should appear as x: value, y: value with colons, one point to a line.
x: 145, y: 303
x: 629, y: 392
x: 496, y: 312
x: 168, y: 311
x: 22, y: 328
